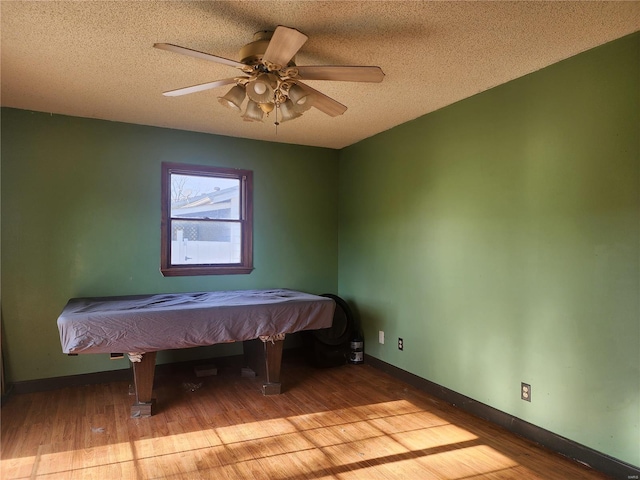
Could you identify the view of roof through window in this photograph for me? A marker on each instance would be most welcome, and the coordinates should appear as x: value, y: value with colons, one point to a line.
x: 204, y: 197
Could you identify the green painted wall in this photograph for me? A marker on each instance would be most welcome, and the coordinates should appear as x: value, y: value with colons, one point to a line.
x: 81, y: 217
x: 499, y: 237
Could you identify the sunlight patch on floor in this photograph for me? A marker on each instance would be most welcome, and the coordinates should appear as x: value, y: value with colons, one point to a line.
x: 369, y: 441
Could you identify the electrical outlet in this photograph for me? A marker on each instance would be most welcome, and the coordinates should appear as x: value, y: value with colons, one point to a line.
x: 400, y: 344
x: 381, y: 337
x: 525, y: 392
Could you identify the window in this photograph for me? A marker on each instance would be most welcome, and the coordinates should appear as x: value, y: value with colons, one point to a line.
x: 207, y: 216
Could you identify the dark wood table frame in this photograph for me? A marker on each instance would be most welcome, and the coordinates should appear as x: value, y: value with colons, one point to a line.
x: 262, y: 357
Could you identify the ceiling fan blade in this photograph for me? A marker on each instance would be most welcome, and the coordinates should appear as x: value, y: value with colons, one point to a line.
x: 341, y: 74
x: 194, y: 53
x: 199, y: 88
x: 324, y: 103
x: 284, y: 44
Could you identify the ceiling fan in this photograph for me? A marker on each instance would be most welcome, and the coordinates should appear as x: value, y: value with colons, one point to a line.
x: 272, y: 80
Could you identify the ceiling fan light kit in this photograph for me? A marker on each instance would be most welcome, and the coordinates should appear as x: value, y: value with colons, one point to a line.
x: 271, y: 79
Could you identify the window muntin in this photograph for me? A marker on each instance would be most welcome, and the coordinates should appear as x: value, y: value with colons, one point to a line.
x: 206, y: 220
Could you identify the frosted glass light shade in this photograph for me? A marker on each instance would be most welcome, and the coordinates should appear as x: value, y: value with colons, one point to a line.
x: 253, y: 113
x: 288, y: 111
x: 234, y: 98
x: 261, y: 89
x: 301, y: 98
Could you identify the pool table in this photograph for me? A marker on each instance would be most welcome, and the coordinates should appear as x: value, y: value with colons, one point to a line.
x: 141, y: 325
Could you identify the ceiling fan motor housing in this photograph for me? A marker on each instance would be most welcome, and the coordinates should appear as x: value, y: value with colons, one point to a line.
x: 252, y: 53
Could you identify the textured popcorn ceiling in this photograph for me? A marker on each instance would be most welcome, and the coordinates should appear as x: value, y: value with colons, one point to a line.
x: 95, y: 59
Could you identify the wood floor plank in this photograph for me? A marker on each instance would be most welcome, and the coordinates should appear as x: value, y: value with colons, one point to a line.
x: 349, y: 422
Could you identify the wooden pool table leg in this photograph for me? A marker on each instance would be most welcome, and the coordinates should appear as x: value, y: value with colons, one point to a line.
x: 264, y: 357
x: 273, y: 359
x: 143, y: 373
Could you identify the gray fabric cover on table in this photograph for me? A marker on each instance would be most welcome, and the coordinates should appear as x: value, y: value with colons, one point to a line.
x: 148, y: 323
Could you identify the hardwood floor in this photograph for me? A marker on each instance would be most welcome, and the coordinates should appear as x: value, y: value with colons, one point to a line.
x: 351, y: 422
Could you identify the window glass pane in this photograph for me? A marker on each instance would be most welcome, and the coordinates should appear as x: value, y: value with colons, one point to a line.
x: 207, y: 220
x: 203, y: 197
x: 205, y: 242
